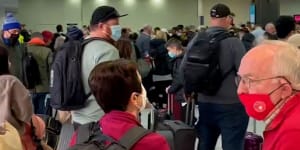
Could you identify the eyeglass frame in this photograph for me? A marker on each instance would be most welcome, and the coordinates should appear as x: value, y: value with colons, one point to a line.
x: 238, y: 80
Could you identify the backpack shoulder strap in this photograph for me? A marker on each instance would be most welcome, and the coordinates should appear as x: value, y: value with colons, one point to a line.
x: 220, y: 36
x: 84, y: 132
x: 91, y: 132
x: 88, y: 40
x: 132, y: 136
x: 83, y: 44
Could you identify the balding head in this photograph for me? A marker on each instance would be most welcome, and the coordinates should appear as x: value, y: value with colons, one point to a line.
x: 272, y: 68
x: 270, y: 28
x: 273, y: 58
x: 261, y: 56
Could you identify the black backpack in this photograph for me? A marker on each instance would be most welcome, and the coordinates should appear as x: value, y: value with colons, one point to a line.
x: 201, y: 68
x: 90, y: 137
x: 31, y: 72
x: 66, y: 85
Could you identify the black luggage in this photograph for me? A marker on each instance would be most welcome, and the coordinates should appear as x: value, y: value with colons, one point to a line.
x: 180, y: 135
x: 157, y: 93
x: 252, y: 140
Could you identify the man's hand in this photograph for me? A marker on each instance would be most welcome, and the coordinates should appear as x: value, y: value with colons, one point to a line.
x: 167, y: 89
x: 188, y: 97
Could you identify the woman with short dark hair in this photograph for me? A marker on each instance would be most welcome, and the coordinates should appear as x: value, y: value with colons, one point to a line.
x: 118, y: 77
x: 118, y: 89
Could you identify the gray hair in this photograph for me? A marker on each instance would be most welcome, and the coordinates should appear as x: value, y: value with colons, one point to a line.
x: 269, y: 25
x: 147, y: 26
x: 286, y: 62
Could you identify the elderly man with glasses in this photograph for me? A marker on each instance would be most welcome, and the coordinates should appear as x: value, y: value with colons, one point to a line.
x: 268, y: 87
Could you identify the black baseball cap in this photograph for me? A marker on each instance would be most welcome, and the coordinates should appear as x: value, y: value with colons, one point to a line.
x: 220, y: 11
x: 104, y: 13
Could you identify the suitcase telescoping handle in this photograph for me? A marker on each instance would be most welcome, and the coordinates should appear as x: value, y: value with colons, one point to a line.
x: 254, y: 126
x: 190, y: 110
x: 171, y: 98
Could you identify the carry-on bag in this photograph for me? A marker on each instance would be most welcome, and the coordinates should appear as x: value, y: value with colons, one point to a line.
x: 252, y: 140
x: 180, y: 135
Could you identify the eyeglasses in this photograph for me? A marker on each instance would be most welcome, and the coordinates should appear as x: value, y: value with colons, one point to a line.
x: 248, y: 82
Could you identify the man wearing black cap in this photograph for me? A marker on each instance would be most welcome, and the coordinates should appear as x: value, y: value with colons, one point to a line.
x: 223, y: 113
x: 104, y: 24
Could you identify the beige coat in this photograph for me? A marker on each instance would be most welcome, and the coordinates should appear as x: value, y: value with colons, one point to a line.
x: 15, y: 102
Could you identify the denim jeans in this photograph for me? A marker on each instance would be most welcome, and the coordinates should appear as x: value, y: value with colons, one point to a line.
x: 229, y: 120
x: 40, y: 104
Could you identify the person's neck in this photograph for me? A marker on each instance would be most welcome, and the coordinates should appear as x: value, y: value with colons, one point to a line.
x: 102, y: 36
x: 134, y: 113
x: 271, y: 116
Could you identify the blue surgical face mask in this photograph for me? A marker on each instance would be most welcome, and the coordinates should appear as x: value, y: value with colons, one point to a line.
x: 171, y: 55
x: 116, y: 32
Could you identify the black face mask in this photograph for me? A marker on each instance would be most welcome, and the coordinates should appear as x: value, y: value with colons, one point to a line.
x: 13, y: 39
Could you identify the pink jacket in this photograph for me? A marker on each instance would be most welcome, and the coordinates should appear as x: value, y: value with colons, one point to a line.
x: 284, y: 131
x: 15, y: 102
x: 116, y: 123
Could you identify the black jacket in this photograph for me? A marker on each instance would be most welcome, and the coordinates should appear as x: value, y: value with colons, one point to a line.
x: 159, y: 53
x: 177, y: 82
x: 248, y: 40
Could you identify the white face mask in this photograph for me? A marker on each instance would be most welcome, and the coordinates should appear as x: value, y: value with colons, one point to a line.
x: 144, y: 98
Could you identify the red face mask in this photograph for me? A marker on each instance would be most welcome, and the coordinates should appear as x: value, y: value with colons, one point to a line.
x: 258, y: 106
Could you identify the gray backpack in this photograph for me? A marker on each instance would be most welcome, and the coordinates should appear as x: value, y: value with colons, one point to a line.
x: 90, y: 137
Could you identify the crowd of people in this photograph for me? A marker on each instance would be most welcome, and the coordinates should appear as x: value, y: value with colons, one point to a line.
x: 261, y: 65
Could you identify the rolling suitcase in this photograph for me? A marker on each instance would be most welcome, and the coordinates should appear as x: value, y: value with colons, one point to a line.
x: 157, y: 95
x: 252, y: 140
x: 180, y: 135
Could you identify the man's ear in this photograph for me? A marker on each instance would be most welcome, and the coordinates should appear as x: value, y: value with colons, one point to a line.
x: 100, y: 25
x: 287, y: 91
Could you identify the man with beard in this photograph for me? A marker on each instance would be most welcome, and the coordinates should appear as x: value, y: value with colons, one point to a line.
x: 10, y: 34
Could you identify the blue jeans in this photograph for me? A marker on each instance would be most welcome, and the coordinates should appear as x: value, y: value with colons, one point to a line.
x: 40, y: 104
x: 229, y: 120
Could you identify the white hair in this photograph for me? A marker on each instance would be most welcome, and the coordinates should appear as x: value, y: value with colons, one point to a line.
x: 269, y: 25
x: 286, y: 62
x: 294, y: 40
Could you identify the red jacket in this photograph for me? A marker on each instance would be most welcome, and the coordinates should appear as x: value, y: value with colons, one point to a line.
x: 116, y: 123
x: 284, y: 131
